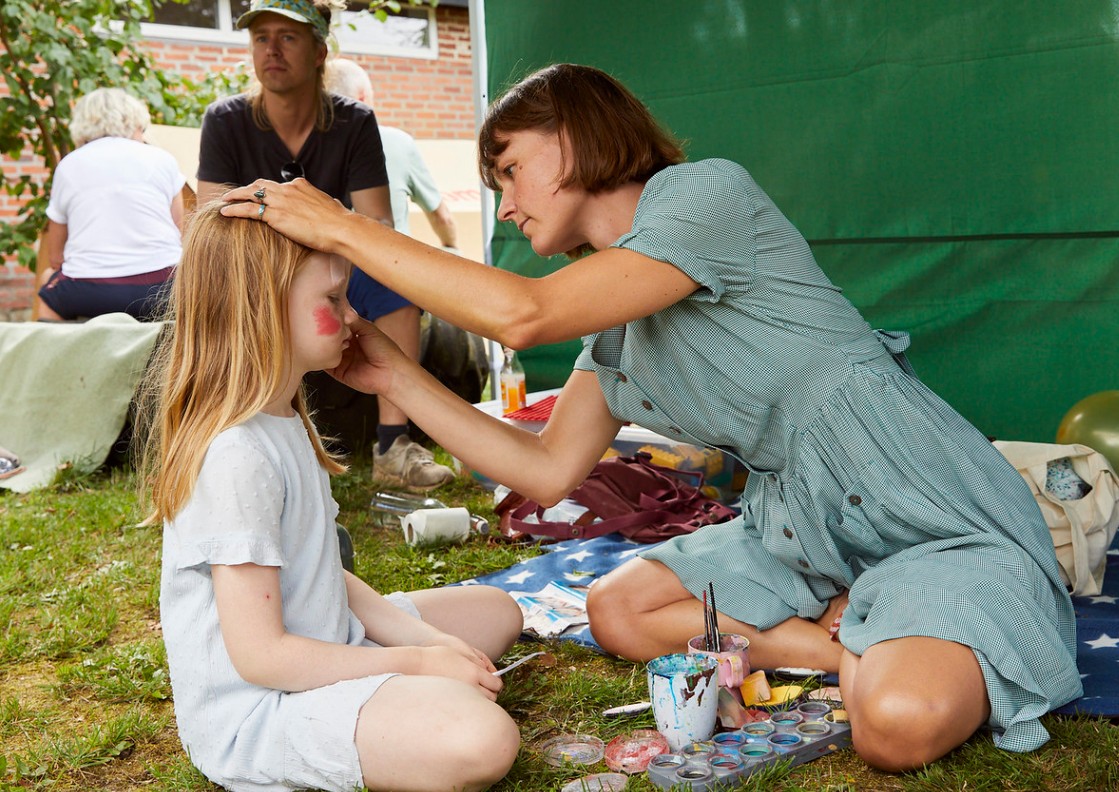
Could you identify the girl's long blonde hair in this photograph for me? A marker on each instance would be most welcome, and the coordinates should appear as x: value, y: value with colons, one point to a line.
x: 226, y: 355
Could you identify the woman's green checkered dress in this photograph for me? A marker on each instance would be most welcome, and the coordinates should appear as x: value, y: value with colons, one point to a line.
x: 861, y: 477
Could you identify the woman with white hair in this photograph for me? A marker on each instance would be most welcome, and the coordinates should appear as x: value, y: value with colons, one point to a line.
x: 116, y: 210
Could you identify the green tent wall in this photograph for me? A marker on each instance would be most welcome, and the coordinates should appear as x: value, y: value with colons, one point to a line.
x: 953, y: 165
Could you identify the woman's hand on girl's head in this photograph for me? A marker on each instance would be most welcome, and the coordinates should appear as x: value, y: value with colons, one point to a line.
x: 296, y: 209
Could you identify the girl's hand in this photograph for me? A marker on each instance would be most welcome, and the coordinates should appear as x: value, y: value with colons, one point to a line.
x: 461, y: 646
x: 296, y: 209
x: 448, y: 661
x: 367, y: 363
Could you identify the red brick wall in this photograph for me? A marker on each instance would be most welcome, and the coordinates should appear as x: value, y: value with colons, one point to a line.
x: 15, y: 294
x: 429, y: 98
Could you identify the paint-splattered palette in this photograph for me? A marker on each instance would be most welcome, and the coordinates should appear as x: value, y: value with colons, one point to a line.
x: 798, y: 735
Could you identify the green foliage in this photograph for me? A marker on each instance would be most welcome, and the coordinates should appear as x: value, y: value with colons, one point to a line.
x: 189, y: 98
x: 119, y: 674
x: 381, y: 10
x: 55, y: 51
x: 52, y: 52
x: 86, y: 747
x: 177, y: 774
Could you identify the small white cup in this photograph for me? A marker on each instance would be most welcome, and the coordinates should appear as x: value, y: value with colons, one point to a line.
x: 426, y: 526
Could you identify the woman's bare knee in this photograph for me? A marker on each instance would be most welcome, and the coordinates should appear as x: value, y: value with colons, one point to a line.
x: 616, y: 600
x: 913, y: 700
x: 606, y: 614
x: 898, y: 732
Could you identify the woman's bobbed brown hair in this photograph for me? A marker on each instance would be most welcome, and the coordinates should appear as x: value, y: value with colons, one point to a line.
x: 612, y: 137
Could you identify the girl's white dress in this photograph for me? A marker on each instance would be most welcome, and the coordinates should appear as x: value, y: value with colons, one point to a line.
x: 261, y: 498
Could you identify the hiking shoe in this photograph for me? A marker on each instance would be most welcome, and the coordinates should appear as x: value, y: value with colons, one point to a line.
x: 411, y: 465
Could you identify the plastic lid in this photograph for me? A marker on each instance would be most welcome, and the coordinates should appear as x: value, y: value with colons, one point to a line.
x: 572, y: 749
x: 830, y: 693
x: 598, y: 782
x: 631, y: 753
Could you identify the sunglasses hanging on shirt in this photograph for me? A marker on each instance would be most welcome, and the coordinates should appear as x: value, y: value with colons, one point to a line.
x: 293, y: 170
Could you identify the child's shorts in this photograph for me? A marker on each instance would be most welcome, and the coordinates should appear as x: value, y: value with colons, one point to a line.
x: 305, y: 740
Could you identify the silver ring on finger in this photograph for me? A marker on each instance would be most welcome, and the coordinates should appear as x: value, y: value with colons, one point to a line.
x: 259, y: 195
x: 260, y: 212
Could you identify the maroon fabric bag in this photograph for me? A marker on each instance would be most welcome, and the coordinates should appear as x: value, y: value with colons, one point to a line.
x: 630, y: 496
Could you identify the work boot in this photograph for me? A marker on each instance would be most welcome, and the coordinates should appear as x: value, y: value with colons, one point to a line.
x: 410, y: 465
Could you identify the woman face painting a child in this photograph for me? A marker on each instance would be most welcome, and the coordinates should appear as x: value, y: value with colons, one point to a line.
x: 871, y: 504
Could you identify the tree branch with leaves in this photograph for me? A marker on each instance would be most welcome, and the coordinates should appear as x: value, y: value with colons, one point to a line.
x: 54, y: 52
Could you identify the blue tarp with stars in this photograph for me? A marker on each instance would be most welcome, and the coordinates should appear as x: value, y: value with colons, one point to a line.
x: 578, y: 562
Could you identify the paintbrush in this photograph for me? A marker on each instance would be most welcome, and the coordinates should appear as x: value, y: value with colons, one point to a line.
x: 706, y: 625
x: 516, y: 663
x: 716, y: 639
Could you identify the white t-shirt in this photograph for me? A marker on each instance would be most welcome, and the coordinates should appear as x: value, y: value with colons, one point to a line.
x: 409, y: 177
x: 114, y: 197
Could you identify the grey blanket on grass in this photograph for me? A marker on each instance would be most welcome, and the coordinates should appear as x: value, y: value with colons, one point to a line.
x: 65, y: 390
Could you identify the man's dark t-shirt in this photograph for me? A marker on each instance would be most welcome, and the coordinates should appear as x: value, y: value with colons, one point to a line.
x: 346, y: 158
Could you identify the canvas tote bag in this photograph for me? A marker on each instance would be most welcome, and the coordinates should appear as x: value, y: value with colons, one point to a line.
x: 1082, y: 516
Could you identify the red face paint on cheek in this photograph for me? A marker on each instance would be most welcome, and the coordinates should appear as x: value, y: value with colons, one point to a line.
x: 326, y: 322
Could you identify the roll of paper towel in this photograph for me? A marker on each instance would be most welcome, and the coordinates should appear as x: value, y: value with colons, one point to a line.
x: 425, y: 526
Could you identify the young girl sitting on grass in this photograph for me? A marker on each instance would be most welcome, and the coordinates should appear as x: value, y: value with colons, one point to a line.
x: 287, y: 671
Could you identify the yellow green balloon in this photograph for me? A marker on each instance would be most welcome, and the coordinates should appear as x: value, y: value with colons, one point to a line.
x: 1094, y: 421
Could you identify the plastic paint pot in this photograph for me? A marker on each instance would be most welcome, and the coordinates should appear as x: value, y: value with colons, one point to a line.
x: 759, y: 729
x: 813, y: 710
x: 787, y: 721
x: 813, y: 730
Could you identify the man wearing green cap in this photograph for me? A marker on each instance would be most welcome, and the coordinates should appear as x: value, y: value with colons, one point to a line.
x: 288, y: 126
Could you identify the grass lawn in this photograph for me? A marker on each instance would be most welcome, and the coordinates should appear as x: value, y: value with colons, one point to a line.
x: 85, y: 702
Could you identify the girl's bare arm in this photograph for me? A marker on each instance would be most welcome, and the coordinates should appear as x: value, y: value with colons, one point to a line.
x: 266, y: 654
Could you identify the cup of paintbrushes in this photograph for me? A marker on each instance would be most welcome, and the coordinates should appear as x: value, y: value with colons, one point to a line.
x: 733, y: 657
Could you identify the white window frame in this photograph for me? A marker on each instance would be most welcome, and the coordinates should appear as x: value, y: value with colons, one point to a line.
x: 349, y: 41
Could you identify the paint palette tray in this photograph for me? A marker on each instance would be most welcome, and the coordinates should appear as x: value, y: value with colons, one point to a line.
x: 795, y: 736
